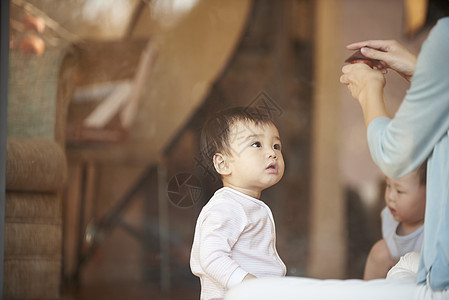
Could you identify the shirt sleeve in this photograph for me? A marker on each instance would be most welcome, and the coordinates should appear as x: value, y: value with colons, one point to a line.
x: 221, y: 227
x: 400, y: 145
x: 236, y: 277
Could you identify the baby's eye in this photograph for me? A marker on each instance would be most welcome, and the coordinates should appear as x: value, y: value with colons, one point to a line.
x: 277, y: 146
x: 256, y: 145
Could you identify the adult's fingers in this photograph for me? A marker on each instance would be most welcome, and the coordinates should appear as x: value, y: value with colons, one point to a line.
x: 344, y: 79
x: 375, y: 54
x: 374, y: 44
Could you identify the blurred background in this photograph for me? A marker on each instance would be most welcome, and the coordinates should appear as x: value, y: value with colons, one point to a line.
x: 106, y: 100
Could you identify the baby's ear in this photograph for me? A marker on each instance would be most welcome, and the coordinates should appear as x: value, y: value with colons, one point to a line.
x: 221, y: 164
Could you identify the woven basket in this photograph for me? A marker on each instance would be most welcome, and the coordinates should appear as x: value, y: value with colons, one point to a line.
x: 34, y: 165
x: 35, y: 173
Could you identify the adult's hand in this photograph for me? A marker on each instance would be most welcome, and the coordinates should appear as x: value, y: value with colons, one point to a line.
x: 366, y: 85
x: 390, y: 53
x: 362, y: 80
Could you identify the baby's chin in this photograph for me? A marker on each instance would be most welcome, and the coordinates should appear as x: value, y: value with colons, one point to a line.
x: 273, y: 182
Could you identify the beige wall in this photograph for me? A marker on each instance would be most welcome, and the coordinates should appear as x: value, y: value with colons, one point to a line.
x: 327, y: 255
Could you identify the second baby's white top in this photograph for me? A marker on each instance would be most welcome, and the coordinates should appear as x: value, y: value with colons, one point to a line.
x: 399, y: 245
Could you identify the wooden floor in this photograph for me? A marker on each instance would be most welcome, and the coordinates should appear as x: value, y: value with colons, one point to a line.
x: 133, y: 291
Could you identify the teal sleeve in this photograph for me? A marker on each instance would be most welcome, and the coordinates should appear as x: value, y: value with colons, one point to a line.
x: 400, y: 145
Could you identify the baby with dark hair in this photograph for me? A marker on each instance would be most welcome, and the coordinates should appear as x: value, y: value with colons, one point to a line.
x: 235, y: 236
x: 402, y: 223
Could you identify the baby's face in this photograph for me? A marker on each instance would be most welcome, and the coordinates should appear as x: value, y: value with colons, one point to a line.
x: 255, y: 158
x: 406, y: 198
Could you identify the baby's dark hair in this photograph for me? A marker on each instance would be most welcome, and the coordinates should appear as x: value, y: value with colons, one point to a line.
x: 215, y: 135
x: 422, y: 173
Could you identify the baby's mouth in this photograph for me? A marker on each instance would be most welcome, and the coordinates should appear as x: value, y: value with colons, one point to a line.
x: 393, y: 211
x: 272, y: 168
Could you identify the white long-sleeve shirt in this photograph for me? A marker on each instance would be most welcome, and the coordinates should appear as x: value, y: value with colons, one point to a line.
x: 234, y: 235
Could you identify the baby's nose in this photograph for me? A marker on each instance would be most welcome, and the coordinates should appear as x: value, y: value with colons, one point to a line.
x: 272, y: 154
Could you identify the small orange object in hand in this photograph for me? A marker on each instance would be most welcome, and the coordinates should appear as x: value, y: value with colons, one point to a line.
x: 365, y: 61
x: 358, y: 57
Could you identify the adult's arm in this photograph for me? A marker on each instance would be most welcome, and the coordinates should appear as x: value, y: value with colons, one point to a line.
x: 400, y: 145
x: 366, y: 85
